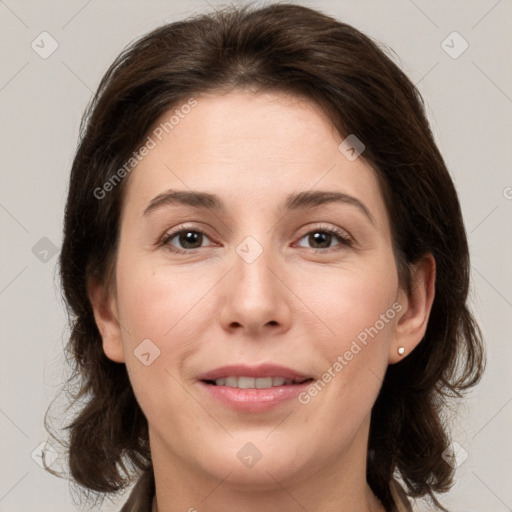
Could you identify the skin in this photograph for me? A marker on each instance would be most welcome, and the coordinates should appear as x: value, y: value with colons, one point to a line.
x: 299, y: 304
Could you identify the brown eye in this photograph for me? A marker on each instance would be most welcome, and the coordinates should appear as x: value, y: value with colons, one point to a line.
x: 187, y: 240
x: 323, y: 238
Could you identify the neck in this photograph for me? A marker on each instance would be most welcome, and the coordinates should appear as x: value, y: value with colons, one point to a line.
x: 372, y: 504
x: 336, y: 485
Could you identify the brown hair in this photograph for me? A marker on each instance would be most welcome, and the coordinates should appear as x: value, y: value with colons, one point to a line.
x: 297, y: 50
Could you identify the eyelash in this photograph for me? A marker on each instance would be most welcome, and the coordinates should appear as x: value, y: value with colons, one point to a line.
x: 342, y: 237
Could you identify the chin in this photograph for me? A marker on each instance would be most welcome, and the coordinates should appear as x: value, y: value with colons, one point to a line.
x: 258, y: 466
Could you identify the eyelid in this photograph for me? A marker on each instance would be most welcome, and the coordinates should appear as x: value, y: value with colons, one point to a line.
x: 329, y: 228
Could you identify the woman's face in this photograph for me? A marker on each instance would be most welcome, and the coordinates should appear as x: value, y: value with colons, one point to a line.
x: 240, y: 269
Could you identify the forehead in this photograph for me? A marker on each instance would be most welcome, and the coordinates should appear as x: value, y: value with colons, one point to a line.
x: 249, y: 147
x: 239, y: 122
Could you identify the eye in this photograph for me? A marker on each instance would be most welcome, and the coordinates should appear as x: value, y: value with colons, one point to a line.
x: 189, y: 239
x: 323, y: 236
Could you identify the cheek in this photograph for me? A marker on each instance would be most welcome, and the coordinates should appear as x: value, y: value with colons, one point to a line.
x: 358, y: 311
x: 164, y: 311
x: 155, y: 306
x: 155, y: 302
x: 363, y: 311
x: 355, y: 303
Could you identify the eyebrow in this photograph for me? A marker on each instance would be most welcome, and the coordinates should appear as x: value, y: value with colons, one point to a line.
x: 294, y: 201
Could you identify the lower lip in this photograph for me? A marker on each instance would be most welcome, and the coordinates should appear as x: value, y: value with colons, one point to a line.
x: 254, y: 400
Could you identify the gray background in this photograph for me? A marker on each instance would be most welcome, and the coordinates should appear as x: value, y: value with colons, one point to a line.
x: 469, y: 102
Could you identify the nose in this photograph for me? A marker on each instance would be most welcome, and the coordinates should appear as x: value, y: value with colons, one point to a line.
x: 256, y: 297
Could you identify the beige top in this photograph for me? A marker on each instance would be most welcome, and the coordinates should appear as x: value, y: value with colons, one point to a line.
x: 141, y: 497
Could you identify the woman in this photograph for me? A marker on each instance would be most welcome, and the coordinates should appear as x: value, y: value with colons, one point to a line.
x: 267, y: 273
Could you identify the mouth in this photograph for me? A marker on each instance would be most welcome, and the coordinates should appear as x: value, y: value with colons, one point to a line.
x: 245, y: 382
x: 253, y: 389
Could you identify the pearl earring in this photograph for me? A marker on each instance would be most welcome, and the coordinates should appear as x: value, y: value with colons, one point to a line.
x: 401, y: 351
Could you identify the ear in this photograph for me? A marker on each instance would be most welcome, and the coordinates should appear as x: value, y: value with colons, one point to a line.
x: 106, y: 316
x: 416, y: 306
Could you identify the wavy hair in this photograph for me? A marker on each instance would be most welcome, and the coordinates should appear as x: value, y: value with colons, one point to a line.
x: 303, y: 52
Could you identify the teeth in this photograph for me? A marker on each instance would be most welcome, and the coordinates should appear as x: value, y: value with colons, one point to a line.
x: 246, y: 382
x: 231, y: 382
x: 253, y: 383
x: 263, y: 382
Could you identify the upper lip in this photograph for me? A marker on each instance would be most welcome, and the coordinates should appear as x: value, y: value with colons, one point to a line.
x: 262, y: 370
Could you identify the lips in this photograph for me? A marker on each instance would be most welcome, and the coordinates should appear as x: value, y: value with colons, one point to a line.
x: 250, y: 376
x: 253, y: 389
